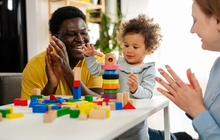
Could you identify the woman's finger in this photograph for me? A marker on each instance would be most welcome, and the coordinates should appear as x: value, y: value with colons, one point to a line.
x: 189, y: 76
x: 195, y: 83
x: 175, y: 76
x: 167, y: 86
x: 167, y: 94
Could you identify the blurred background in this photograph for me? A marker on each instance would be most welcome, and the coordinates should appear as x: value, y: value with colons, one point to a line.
x: 24, y: 32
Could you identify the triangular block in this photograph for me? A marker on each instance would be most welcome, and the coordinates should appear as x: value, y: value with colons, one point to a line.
x: 52, y: 97
x: 129, y: 106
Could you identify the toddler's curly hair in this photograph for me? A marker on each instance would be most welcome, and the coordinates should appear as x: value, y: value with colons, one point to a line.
x: 144, y: 26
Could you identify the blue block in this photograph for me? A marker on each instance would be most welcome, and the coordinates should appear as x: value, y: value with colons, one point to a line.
x: 110, y: 72
x: 76, y: 92
x: 33, y: 100
x: 55, y: 107
x: 67, y: 100
x: 49, y: 101
x: 118, y: 106
x: 60, y: 100
x: 40, y: 108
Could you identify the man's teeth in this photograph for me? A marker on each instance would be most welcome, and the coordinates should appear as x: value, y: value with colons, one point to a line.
x: 79, y: 47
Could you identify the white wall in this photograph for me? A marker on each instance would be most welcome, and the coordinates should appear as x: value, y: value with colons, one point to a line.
x: 37, y: 26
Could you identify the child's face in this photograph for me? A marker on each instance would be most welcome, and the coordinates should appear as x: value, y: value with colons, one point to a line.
x: 134, y: 49
x: 206, y: 28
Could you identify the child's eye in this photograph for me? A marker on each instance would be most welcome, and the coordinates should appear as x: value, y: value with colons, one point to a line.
x: 135, y: 47
x: 126, y: 46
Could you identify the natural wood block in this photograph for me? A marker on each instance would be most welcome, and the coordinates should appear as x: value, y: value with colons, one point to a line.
x: 81, y: 102
x: 47, y: 97
x: 101, y: 107
x: 0, y: 116
x: 125, y: 98
x: 133, y: 102
x: 120, y: 98
x: 36, y: 91
x: 97, y: 114
x: 49, y: 107
x: 83, y: 117
x: 77, y: 73
x: 112, y: 105
x: 40, y: 100
x: 103, y: 103
x: 50, y: 116
x: 110, y: 59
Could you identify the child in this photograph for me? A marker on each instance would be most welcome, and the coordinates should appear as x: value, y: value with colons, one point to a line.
x: 139, y: 37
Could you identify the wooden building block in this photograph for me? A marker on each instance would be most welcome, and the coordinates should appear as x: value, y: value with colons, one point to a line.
x: 50, y: 116
x: 36, y: 91
x: 4, y: 112
x: 129, y: 106
x: 76, y: 83
x: 133, y: 102
x: 46, y: 97
x: 50, y: 107
x: 89, y: 98
x: 74, y: 113
x: 17, y: 102
x: 103, y: 103
x: 125, y: 98
x: 13, y: 116
x: 76, y: 92
x: 40, y: 100
x: 72, y: 107
x: 120, y: 98
x: 118, y: 106
x: 107, y: 111
x: 0, y: 117
x: 83, y: 117
x: 102, y: 107
x: 52, y: 97
x: 97, y: 114
x: 81, y: 102
x: 77, y: 73
x: 10, y: 108
x: 24, y: 102
x: 111, y: 105
x: 63, y: 111
x: 110, y: 59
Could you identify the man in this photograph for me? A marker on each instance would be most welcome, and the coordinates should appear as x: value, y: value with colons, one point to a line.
x: 53, y: 71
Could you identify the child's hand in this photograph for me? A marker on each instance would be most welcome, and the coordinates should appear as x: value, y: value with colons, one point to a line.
x: 89, y: 51
x: 134, y: 83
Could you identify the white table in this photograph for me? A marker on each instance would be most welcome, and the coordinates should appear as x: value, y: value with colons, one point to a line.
x: 32, y: 127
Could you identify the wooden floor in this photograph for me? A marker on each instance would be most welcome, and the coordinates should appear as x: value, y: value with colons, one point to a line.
x: 179, y: 122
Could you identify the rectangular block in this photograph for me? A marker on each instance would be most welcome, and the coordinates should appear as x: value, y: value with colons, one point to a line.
x: 83, y: 117
x: 50, y: 116
x: 125, y: 98
x: 118, y: 106
x: 24, y: 102
x: 97, y: 114
x: 112, y: 105
x: 0, y: 117
x: 63, y: 111
x: 76, y: 92
x: 36, y: 91
x: 40, y: 108
x: 55, y: 107
x: 13, y: 116
x: 17, y: 102
x: 10, y: 108
x: 89, y: 98
x: 76, y: 83
x: 77, y: 73
x: 72, y: 107
x: 74, y: 113
x: 120, y: 98
x: 133, y: 102
x: 38, y: 96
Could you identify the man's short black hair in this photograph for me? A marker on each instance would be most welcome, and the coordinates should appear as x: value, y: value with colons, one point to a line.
x: 64, y: 13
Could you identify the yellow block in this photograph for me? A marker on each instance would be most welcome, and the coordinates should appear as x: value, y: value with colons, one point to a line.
x: 69, y: 103
x: 10, y: 108
x: 111, y: 81
x: 107, y: 111
x: 13, y: 116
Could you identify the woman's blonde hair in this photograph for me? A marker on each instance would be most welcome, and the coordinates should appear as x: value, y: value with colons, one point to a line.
x: 210, y: 7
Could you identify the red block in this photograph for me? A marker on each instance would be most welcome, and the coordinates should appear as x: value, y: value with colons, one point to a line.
x: 129, y: 106
x: 76, y: 83
x: 24, y: 102
x: 17, y: 101
x: 52, y: 97
x: 98, y: 102
x: 106, y: 100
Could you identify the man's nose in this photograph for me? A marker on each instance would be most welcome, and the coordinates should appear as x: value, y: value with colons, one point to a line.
x: 79, y: 38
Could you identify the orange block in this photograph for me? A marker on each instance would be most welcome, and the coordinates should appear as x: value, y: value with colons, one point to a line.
x: 110, y: 86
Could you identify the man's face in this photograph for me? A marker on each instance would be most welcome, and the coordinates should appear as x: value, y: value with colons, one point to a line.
x: 73, y: 33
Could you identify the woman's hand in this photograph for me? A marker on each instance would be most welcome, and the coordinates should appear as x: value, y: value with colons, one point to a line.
x: 134, y: 83
x: 187, y: 97
x: 89, y: 51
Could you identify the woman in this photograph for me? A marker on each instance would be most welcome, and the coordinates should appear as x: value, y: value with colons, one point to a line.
x: 203, y: 112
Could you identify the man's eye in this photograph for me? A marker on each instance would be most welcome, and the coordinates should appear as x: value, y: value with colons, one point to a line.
x: 84, y: 33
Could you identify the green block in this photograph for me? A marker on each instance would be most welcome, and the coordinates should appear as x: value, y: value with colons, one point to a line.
x: 51, y: 104
x: 38, y: 96
x: 110, y: 91
x: 74, y: 113
x: 4, y: 112
x: 63, y: 111
x: 89, y: 98
x: 74, y: 100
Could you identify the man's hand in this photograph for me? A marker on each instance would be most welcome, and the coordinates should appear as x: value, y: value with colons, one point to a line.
x: 134, y: 83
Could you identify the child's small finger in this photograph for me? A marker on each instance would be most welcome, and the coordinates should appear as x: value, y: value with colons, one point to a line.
x: 84, y: 47
x: 128, y: 84
x: 88, y: 46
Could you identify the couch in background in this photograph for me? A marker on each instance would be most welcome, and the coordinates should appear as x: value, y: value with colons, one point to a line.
x: 10, y: 87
